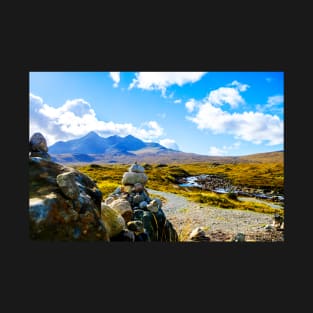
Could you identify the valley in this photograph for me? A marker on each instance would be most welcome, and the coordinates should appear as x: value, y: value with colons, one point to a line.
x: 223, y: 194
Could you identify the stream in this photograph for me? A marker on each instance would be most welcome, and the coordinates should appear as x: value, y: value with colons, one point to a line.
x: 221, y: 185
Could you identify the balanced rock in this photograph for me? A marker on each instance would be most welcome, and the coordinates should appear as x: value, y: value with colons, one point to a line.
x: 38, y: 143
x: 38, y: 146
x: 131, y: 178
x: 136, y: 168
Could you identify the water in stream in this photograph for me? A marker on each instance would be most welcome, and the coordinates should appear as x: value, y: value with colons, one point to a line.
x: 220, y: 185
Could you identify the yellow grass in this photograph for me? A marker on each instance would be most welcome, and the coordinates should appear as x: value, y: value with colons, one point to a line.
x: 267, y: 176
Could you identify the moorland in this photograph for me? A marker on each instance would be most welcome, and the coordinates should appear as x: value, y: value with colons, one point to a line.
x: 265, y: 176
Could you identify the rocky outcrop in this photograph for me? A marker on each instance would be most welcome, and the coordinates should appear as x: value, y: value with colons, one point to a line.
x: 65, y: 204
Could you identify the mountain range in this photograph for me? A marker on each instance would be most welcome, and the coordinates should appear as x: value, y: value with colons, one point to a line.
x: 93, y: 148
x: 92, y: 143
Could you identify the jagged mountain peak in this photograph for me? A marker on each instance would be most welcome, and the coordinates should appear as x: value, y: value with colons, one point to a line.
x: 92, y: 143
x: 92, y: 134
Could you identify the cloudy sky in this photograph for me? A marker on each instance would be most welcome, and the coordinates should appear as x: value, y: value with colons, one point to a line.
x: 209, y: 113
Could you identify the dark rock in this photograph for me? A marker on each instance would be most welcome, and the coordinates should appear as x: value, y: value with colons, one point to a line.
x: 67, y: 184
x: 136, y: 226
x: 66, y: 212
x: 38, y: 143
x: 239, y: 237
x: 124, y: 235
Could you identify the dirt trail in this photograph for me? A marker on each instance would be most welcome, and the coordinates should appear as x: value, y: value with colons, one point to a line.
x: 186, y: 215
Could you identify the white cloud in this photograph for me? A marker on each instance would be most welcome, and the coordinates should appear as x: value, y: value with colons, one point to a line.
x: 278, y: 99
x: 177, y: 101
x: 239, y: 86
x: 76, y: 118
x: 268, y: 79
x: 190, y: 105
x: 148, y: 131
x: 115, y: 77
x: 169, y: 143
x: 274, y: 103
x: 254, y: 127
x: 216, y: 151
x: 162, y: 80
x: 225, y: 95
x: 225, y: 150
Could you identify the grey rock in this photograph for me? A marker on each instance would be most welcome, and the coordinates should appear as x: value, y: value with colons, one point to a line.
x: 67, y: 184
x: 131, y: 178
x: 136, y: 226
x: 136, y: 168
x: 143, y: 205
x: 38, y: 143
x: 239, y: 237
x: 197, y: 233
x: 153, y: 206
x: 138, y: 187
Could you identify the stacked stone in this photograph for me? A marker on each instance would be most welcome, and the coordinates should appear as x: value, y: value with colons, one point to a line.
x: 143, y: 215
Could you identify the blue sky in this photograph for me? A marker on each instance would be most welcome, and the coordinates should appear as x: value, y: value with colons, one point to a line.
x: 209, y: 113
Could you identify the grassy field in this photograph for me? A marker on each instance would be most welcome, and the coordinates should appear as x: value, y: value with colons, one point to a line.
x: 163, y: 177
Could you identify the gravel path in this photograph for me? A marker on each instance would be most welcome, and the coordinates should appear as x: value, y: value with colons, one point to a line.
x: 219, y: 224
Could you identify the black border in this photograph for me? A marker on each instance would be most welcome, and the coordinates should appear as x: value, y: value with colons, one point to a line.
x: 65, y: 270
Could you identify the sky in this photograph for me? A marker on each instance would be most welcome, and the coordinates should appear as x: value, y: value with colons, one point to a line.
x: 208, y: 113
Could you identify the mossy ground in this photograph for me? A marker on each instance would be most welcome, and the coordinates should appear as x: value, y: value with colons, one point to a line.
x: 266, y: 176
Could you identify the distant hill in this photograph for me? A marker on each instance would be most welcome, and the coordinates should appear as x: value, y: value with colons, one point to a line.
x: 93, y: 148
x: 266, y: 157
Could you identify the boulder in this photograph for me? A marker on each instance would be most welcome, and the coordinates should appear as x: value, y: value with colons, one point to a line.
x: 198, y: 234
x: 136, y: 168
x: 67, y: 184
x: 38, y: 143
x: 123, y: 207
x: 63, y: 207
x: 131, y: 178
x: 38, y: 146
x: 113, y: 220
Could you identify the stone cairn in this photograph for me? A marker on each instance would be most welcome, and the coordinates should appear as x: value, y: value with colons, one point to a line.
x: 144, y: 217
x: 65, y: 204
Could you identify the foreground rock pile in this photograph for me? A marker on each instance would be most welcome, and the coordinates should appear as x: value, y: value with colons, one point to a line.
x: 144, y: 216
x: 65, y: 204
